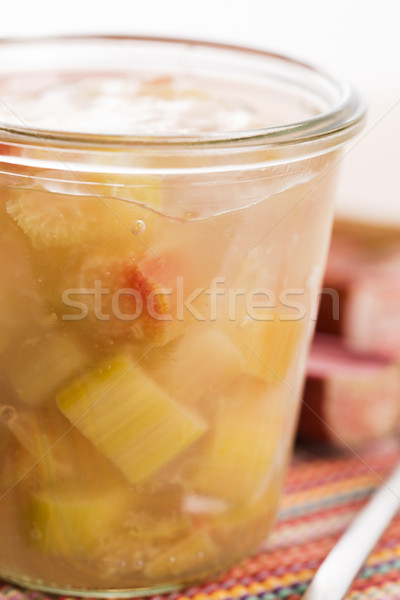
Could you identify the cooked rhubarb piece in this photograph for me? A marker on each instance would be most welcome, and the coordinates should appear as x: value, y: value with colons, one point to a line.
x: 129, y: 418
x: 98, y: 212
x: 156, y: 512
x: 237, y: 456
x: 243, y: 527
x: 349, y: 398
x: 15, y: 461
x: 59, y: 453
x: 186, y: 557
x: 50, y: 441
x: 73, y: 521
x: 156, y: 497
x: 16, y: 473
x: 269, y: 345
x: 264, y: 507
x: 20, y: 307
x: 43, y: 365
x: 145, y: 527
x: 204, y: 352
x: 29, y: 430
x: 130, y: 299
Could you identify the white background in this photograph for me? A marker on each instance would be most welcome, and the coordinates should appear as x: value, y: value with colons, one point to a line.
x: 356, y: 39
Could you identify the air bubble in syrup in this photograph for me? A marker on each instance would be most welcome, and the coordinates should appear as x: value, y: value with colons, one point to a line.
x: 138, y: 227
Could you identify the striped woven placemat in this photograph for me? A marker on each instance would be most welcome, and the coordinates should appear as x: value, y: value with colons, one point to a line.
x: 324, y: 490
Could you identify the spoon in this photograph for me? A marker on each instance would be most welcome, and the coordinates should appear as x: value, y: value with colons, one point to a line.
x: 337, y: 572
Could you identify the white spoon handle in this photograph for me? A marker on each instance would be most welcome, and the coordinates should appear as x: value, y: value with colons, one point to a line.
x: 336, y: 573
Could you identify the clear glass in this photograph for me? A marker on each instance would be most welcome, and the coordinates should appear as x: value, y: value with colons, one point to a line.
x: 157, y: 298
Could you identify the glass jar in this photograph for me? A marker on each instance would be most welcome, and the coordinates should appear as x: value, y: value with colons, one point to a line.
x: 157, y: 299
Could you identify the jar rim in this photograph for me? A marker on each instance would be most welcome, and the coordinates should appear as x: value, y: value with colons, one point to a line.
x: 343, y: 119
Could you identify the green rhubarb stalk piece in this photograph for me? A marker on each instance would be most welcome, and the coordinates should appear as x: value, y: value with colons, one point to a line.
x: 129, y: 418
x: 239, y: 453
x: 269, y: 345
x: 73, y: 521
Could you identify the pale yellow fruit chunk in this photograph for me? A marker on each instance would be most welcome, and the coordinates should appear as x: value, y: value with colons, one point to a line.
x: 129, y: 418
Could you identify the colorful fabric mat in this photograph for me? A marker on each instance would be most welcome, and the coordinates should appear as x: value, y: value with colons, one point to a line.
x: 324, y: 491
